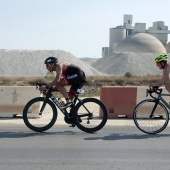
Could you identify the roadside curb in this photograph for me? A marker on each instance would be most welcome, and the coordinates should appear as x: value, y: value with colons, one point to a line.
x: 110, y: 122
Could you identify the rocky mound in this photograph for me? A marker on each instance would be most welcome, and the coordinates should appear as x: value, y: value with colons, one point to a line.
x: 88, y: 60
x: 121, y: 63
x: 31, y: 62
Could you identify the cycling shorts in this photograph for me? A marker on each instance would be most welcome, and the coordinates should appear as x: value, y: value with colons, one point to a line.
x: 75, y: 77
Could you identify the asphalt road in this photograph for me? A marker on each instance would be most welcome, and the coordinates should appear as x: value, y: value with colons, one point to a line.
x: 62, y: 147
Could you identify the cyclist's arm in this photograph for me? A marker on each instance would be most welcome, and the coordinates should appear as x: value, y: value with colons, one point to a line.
x: 164, y: 78
x: 58, y: 76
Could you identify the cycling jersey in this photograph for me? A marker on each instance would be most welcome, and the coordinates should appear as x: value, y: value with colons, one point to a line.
x: 74, y: 76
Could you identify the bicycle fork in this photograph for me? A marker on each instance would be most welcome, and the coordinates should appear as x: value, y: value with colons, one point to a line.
x: 154, y: 108
x: 44, y: 104
x: 42, y: 107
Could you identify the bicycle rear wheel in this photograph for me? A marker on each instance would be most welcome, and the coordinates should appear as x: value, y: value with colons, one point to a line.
x: 91, y: 115
x: 36, y: 121
x: 144, y: 121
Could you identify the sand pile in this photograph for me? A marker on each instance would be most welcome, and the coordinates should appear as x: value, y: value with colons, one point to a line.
x: 121, y: 63
x: 31, y: 62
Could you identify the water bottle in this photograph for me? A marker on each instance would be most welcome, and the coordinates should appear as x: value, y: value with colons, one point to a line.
x: 61, y: 101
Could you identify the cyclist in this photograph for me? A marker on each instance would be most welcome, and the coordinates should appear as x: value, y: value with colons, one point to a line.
x: 162, y: 64
x: 66, y: 74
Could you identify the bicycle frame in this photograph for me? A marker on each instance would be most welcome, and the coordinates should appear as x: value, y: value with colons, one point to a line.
x: 57, y: 103
x: 49, y: 95
x: 160, y: 98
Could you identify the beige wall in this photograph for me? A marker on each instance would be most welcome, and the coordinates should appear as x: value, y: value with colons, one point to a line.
x: 14, y: 98
x: 141, y: 94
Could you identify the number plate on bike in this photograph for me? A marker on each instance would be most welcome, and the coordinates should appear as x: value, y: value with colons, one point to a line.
x: 81, y: 91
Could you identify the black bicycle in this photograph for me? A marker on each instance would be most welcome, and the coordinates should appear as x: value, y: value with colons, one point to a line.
x: 88, y: 114
x: 151, y: 115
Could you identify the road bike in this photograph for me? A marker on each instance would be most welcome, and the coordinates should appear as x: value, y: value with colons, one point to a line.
x: 151, y: 116
x: 88, y: 114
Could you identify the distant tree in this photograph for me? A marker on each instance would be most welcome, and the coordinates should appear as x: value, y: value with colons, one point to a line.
x: 128, y: 74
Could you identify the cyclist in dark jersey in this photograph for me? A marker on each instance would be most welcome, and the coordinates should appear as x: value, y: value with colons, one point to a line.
x: 67, y: 74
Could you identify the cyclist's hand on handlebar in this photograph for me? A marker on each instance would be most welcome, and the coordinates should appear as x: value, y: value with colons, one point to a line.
x: 155, y: 88
x: 151, y: 90
x: 43, y: 88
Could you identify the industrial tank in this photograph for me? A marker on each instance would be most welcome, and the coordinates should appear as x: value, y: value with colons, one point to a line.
x: 140, y: 43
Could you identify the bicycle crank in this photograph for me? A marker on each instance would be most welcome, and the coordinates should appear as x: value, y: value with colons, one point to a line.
x: 68, y: 120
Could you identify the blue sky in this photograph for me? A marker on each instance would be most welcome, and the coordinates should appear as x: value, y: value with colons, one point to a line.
x: 80, y: 27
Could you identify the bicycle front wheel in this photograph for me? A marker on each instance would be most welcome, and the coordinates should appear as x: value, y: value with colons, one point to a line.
x: 36, y: 120
x: 91, y: 115
x: 148, y: 123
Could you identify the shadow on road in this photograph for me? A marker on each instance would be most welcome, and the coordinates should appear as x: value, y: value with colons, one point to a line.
x: 32, y: 134
x: 112, y: 136
x: 115, y: 136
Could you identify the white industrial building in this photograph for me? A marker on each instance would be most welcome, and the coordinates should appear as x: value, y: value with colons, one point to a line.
x: 138, y: 38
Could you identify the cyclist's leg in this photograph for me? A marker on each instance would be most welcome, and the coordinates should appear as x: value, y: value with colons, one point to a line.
x: 61, y: 88
x: 73, y: 90
x: 167, y: 86
x: 76, y: 80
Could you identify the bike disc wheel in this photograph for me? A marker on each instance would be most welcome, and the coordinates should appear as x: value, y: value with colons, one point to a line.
x: 95, y: 120
x: 147, y: 124
x: 36, y: 122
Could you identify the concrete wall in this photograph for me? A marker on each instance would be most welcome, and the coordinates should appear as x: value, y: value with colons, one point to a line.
x: 14, y: 98
x: 121, y: 101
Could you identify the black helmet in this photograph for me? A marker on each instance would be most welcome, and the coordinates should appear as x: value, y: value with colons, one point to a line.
x: 51, y: 60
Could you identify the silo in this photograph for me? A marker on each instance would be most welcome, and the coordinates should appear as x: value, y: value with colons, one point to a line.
x: 116, y: 35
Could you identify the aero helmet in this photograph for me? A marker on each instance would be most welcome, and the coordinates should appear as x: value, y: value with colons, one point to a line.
x: 51, y: 60
x: 161, y: 57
